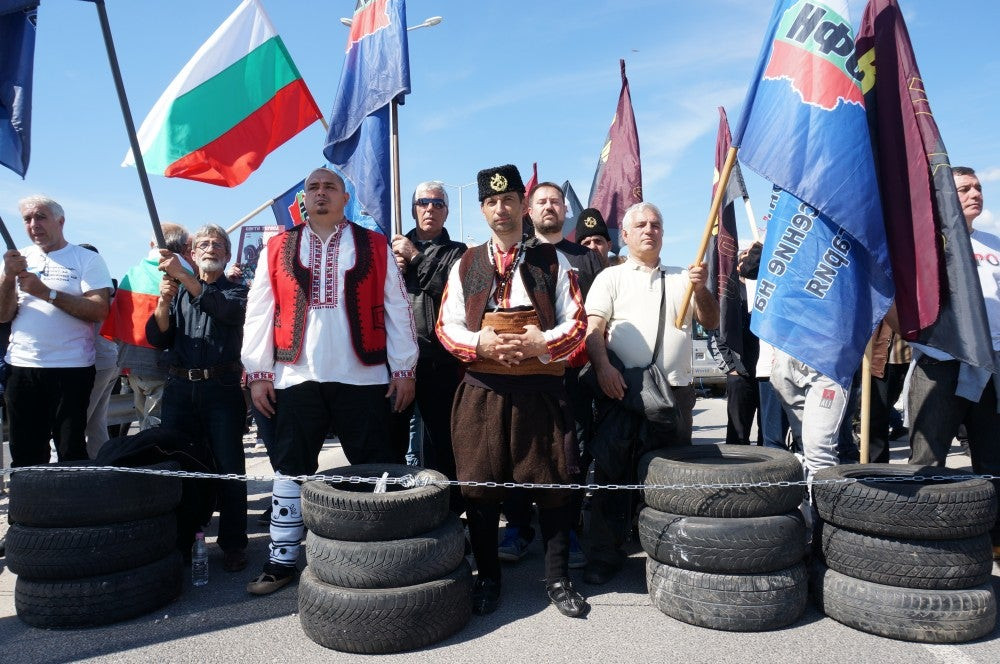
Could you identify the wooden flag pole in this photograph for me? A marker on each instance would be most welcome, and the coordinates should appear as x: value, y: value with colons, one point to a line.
x: 713, y: 214
x: 866, y: 404
x: 140, y: 166
x: 397, y: 206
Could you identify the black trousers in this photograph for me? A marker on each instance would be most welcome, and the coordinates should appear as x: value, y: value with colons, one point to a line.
x: 885, y: 392
x: 484, y: 527
x: 44, y: 404
x: 308, y: 411
x: 742, y: 403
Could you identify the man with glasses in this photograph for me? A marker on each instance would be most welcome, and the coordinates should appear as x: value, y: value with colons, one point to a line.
x: 425, y: 256
x: 199, y: 321
x: 329, y: 339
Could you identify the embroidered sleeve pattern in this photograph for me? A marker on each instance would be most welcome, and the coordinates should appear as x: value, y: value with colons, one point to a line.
x: 451, y: 328
x: 568, y: 334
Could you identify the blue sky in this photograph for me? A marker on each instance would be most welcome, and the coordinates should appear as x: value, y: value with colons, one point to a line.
x: 494, y: 83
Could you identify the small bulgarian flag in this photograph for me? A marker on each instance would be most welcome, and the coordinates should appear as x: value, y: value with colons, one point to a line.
x: 236, y: 101
x: 133, y: 304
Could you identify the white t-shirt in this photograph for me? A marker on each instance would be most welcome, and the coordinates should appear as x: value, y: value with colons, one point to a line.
x: 627, y: 296
x: 986, y: 250
x: 44, y: 336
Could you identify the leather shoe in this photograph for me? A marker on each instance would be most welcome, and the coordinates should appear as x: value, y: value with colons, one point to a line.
x: 567, y: 600
x: 234, y: 560
x: 598, y: 573
x: 485, y: 595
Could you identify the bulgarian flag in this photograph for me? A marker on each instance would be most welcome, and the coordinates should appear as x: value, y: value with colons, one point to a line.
x: 133, y: 304
x: 235, y: 101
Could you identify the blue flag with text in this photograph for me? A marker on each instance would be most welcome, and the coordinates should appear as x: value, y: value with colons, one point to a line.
x: 376, y: 71
x: 825, y: 279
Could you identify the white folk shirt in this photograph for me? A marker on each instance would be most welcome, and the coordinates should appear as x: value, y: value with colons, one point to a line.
x: 986, y: 250
x: 562, y: 340
x: 327, y: 354
x: 44, y: 336
x: 627, y: 297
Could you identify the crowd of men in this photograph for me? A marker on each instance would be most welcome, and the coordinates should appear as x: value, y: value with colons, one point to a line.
x: 512, y: 353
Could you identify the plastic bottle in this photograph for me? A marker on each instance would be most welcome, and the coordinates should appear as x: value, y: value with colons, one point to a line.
x: 199, y: 560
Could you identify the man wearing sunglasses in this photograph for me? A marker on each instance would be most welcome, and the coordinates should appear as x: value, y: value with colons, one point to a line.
x: 425, y: 256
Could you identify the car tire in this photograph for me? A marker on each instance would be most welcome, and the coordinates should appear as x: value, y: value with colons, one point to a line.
x: 731, y: 602
x: 387, y: 564
x: 385, y: 620
x: 736, y: 545
x: 908, y: 614
x: 351, y: 512
x: 49, y: 498
x: 72, y: 553
x: 912, y: 510
x: 723, y: 464
x: 98, y: 600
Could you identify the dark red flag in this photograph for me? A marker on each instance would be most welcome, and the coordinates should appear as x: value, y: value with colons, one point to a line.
x: 723, y: 251
x: 938, y: 297
x: 618, y: 179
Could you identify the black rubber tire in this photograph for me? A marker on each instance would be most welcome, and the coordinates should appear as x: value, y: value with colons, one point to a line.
x: 906, y: 563
x: 351, y: 512
x: 907, y: 614
x: 389, y: 564
x: 722, y: 464
x: 743, y: 546
x: 731, y: 602
x: 386, y: 620
x: 937, y: 510
x: 72, y: 553
x: 99, y: 600
x: 46, y: 498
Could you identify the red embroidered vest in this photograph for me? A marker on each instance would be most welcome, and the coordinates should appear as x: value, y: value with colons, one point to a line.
x: 363, y: 290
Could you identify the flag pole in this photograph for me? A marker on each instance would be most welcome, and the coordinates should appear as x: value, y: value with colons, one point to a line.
x: 751, y: 219
x: 713, y: 213
x: 140, y: 167
x: 8, y: 240
x: 866, y: 405
x: 397, y: 207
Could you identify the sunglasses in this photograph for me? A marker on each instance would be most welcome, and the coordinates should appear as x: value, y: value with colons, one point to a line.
x: 438, y: 203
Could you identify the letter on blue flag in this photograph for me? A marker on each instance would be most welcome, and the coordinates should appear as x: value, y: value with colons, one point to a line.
x: 376, y: 71
x: 804, y: 128
x: 17, y: 54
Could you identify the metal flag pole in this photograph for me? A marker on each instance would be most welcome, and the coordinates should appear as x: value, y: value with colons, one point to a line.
x: 397, y: 206
x: 713, y: 213
x: 8, y: 240
x: 140, y: 166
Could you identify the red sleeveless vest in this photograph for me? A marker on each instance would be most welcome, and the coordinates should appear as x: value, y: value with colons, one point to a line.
x: 363, y: 290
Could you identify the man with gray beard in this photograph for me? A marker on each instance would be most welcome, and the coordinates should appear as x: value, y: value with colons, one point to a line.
x: 199, y: 321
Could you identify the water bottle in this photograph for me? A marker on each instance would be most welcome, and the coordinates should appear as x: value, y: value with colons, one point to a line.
x: 199, y: 560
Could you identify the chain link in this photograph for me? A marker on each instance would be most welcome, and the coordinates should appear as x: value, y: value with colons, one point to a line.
x: 419, y: 480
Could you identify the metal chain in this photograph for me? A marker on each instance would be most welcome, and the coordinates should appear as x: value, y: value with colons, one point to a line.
x: 424, y: 479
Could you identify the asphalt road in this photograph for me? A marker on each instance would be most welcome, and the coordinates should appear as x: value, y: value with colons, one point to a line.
x: 221, y: 622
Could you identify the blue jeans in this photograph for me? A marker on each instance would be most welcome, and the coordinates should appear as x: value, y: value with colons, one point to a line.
x: 212, y: 412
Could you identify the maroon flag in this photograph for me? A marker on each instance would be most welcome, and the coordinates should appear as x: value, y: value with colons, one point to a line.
x: 723, y: 277
x: 618, y: 179
x: 938, y: 297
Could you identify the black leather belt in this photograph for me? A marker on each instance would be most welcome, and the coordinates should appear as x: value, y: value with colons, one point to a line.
x: 205, y: 374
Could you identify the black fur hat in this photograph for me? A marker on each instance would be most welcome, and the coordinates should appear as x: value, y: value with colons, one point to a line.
x: 499, y: 180
x: 591, y: 222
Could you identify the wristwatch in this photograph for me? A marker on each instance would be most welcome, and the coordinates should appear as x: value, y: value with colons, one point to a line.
x: 52, y: 295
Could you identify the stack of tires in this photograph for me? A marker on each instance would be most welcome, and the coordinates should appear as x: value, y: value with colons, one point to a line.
x: 906, y: 560
x: 386, y: 572
x: 725, y: 558
x: 92, y: 547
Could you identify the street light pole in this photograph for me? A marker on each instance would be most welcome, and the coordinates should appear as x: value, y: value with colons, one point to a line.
x: 461, y: 210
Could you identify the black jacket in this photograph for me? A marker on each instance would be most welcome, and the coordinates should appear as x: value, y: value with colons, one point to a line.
x: 425, y: 278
